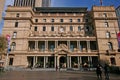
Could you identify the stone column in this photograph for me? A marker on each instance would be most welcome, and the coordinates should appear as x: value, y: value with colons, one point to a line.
x: 55, y: 61
x: 44, y: 61
x: 88, y: 46
x: 78, y: 45
x: 36, y: 45
x: 58, y: 64
x: 46, y: 45
x: 80, y: 58
x: 56, y: 44
x: 34, y: 61
x: 70, y: 61
x: 68, y: 43
x: 90, y: 61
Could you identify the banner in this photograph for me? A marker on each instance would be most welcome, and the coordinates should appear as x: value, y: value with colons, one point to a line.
x: 118, y: 36
x: 8, y: 41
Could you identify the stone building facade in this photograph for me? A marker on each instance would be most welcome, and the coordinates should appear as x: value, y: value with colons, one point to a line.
x: 1, y: 8
x: 32, y: 3
x: 68, y: 37
x: 118, y: 15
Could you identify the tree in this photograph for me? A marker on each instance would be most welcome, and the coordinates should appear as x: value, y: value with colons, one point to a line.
x: 3, y: 43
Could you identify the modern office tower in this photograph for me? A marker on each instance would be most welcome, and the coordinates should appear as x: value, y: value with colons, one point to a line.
x: 32, y: 3
x: 118, y: 15
x: 2, y: 3
x: 68, y: 37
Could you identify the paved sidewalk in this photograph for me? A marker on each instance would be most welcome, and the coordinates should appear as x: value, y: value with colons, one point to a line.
x: 52, y: 75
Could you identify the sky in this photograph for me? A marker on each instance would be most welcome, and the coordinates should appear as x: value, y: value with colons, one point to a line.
x: 73, y: 3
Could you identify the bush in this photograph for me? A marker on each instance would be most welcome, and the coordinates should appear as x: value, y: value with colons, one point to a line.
x: 114, y: 69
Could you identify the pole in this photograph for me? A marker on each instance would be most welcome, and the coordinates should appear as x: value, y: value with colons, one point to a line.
x: 8, y: 50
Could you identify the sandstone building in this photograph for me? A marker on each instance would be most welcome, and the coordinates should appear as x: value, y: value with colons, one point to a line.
x: 32, y: 3
x: 118, y: 14
x: 2, y: 2
x: 69, y: 37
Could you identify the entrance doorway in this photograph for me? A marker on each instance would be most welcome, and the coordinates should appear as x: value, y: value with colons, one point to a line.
x: 30, y: 61
x: 63, y: 61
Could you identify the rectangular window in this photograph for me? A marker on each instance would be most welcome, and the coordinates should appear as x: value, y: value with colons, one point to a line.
x: 52, y: 20
x: 107, y: 34
x: 113, y: 62
x: 35, y: 28
x: 44, y: 20
x: 70, y: 20
x: 106, y: 24
x: 86, y: 20
x: 79, y: 28
x: 61, y: 20
x: 52, y: 28
x: 36, y: 20
x: 71, y: 28
x: 17, y: 15
x: 44, y: 28
x: 16, y: 24
x: 78, y: 20
x: 104, y: 15
x: 14, y: 34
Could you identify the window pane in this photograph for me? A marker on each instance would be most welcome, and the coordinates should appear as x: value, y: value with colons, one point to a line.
x: 14, y: 34
x: 71, y: 28
x: 16, y: 24
x: 61, y: 20
x: 44, y: 28
x: 70, y: 20
x: 79, y: 28
x: 78, y: 20
x: 35, y: 29
x: 52, y: 28
x: 106, y: 24
x: 52, y: 20
x: 36, y: 20
x: 44, y: 20
x: 17, y: 15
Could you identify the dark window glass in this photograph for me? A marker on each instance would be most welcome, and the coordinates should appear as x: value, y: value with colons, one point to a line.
x: 70, y: 20
x: 79, y: 28
x: 36, y: 20
x: 16, y: 24
x: 61, y: 20
x: 71, y: 28
x: 52, y: 28
x: 52, y: 20
x: 17, y: 15
x: 44, y: 20
x: 44, y: 28
x: 78, y: 20
x: 35, y: 29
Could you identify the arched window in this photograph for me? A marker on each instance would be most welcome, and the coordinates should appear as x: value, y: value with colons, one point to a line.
x: 13, y: 46
x: 110, y: 45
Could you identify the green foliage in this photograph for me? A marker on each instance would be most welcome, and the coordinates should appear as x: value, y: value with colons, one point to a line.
x: 3, y: 44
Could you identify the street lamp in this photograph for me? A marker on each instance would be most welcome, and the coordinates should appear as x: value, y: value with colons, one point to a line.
x: 8, y: 49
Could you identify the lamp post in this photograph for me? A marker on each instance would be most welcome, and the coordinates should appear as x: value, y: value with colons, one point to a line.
x: 8, y: 49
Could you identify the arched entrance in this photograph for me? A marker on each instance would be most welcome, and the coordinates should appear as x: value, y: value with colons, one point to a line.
x: 63, y: 62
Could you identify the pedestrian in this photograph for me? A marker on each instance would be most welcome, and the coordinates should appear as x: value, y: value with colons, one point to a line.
x: 106, y: 72
x: 99, y: 72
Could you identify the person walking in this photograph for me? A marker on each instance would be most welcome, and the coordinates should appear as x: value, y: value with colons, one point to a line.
x: 99, y: 72
x: 106, y: 72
